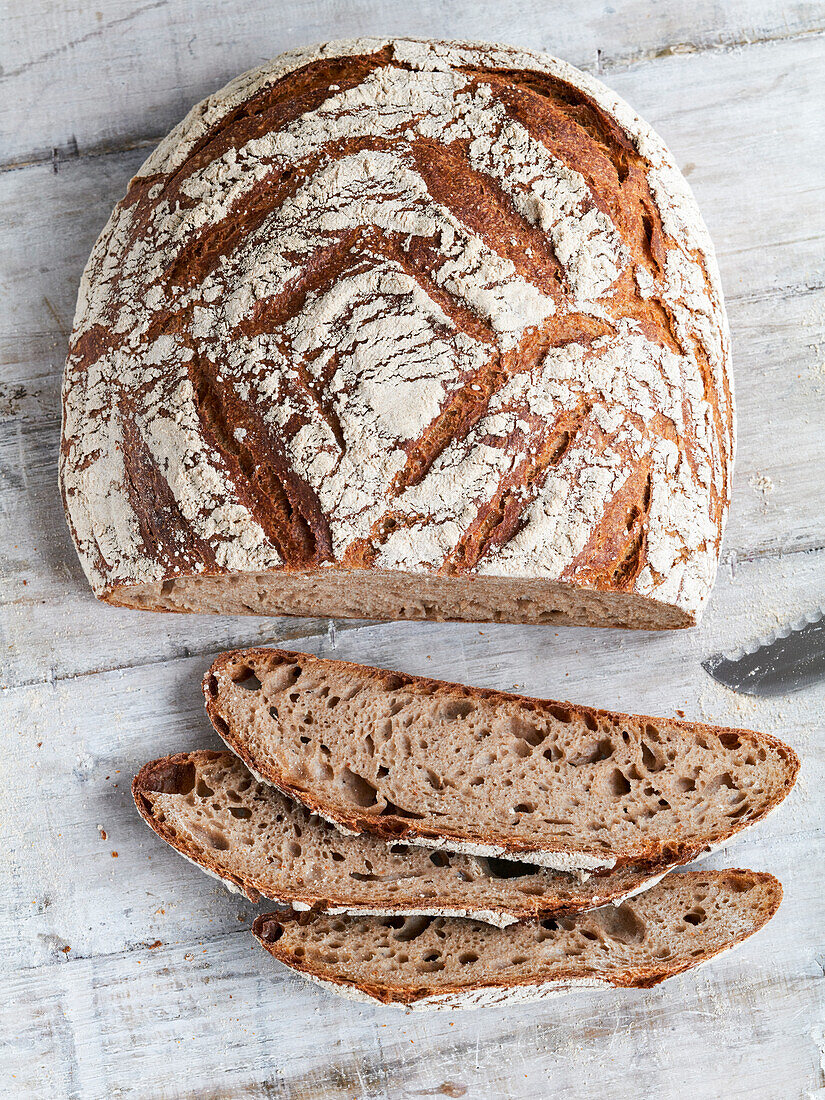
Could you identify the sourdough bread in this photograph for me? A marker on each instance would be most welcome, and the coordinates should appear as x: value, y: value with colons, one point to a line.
x: 403, y: 329
x: 211, y: 809
x: 440, y: 962
x: 486, y: 773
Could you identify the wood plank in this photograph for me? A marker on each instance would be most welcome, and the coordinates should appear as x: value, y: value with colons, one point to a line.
x: 79, y: 741
x: 79, y: 77
x: 218, y: 1018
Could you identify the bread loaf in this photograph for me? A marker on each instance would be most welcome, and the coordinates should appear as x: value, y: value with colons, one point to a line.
x: 396, y: 328
x: 486, y: 773
x: 213, y: 811
x: 437, y: 962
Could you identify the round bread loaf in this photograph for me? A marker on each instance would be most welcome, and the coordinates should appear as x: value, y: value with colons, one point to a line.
x: 403, y: 329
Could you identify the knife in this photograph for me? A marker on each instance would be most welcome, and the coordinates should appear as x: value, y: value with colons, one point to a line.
x: 791, y: 659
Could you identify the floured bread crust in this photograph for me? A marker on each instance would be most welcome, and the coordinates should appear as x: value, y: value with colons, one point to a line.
x: 398, y: 308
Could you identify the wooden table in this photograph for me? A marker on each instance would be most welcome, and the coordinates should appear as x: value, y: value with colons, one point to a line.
x: 125, y: 972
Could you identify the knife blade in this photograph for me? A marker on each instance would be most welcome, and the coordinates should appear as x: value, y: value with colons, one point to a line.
x: 790, y: 660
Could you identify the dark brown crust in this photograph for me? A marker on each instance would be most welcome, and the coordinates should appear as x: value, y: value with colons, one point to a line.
x: 656, y: 853
x: 169, y: 774
x: 639, y: 978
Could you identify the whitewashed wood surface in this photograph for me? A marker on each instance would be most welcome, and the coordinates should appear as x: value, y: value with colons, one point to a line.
x: 126, y: 973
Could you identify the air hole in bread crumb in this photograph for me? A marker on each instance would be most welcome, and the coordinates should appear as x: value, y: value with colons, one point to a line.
x: 623, y: 924
x: 718, y: 782
x: 411, y: 928
x: 561, y: 714
x: 730, y: 740
x: 618, y: 783
x: 272, y: 932
x: 740, y: 812
x: 212, y: 685
x: 241, y: 812
x: 695, y: 916
x: 590, y: 721
x: 467, y: 957
x: 202, y: 789
x: 219, y: 724
x: 506, y: 868
x: 455, y: 708
x: 526, y: 731
x: 383, y: 771
x: 592, y: 753
x: 440, y: 859
x: 650, y: 759
x: 359, y: 790
x: 245, y: 678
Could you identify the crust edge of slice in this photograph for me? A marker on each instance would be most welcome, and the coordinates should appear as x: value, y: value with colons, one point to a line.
x: 476, y: 994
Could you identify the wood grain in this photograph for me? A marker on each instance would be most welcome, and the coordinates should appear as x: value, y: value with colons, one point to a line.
x: 133, y: 974
x: 82, y: 78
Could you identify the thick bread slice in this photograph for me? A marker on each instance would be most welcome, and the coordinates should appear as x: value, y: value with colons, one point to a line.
x: 211, y: 809
x: 442, y: 962
x: 481, y: 772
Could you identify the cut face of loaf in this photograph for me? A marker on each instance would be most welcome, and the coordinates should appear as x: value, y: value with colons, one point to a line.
x: 394, y: 328
x: 441, y: 962
x: 210, y: 808
x: 478, y: 771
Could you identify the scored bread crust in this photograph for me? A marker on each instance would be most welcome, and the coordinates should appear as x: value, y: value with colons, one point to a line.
x: 468, y: 993
x: 222, y: 698
x: 161, y: 780
x: 308, y: 373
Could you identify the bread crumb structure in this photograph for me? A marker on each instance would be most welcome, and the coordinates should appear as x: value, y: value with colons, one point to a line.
x: 397, y: 328
x: 213, y: 811
x: 426, y: 962
x: 486, y: 773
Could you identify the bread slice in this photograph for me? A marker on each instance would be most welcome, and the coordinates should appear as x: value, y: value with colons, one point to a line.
x: 444, y: 962
x: 484, y: 773
x: 211, y: 809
